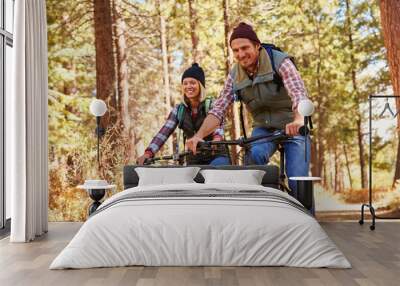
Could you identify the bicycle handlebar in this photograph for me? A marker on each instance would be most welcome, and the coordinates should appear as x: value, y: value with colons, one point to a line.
x: 206, y: 145
x: 276, y: 135
x: 175, y: 157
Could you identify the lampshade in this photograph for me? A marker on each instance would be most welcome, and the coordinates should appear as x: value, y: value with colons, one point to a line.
x: 98, y: 107
x: 305, y: 107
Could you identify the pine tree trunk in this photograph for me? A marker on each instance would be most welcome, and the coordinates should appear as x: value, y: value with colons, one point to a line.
x: 315, y: 171
x: 321, y: 162
x: 105, y: 82
x: 122, y: 81
x: 361, y: 155
x: 331, y: 173
x: 356, y: 95
x: 227, y: 51
x: 348, y: 165
x: 246, y: 115
x: 336, y: 169
x: 193, y: 24
x: 317, y: 145
x: 105, y: 72
x: 341, y: 179
x: 397, y: 168
x: 233, y: 114
x: 390, y: 11
x: 172, y: 99
x: 164, y: 51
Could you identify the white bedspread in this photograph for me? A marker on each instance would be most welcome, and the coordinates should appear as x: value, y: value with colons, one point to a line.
x: 182, y: 231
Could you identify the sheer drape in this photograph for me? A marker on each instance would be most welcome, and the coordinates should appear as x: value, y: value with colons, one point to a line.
x: 27, y: 124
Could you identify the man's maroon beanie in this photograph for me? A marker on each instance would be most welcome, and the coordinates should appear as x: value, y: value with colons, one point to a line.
x: 245, y: 31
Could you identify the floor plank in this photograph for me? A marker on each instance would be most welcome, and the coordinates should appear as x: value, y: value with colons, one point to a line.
x: 374, y: 255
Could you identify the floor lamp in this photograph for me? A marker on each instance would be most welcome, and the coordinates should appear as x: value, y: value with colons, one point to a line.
x: 98, y: 108
x: 97, y: 188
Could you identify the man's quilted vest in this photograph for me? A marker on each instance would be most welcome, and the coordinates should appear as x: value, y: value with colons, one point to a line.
x: 269, y: 105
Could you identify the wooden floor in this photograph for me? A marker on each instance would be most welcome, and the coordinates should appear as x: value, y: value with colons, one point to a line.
x: 375, y: 256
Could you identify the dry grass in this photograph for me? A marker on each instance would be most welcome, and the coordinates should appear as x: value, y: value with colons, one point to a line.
x: 66, y: 202
x: 359, y: 196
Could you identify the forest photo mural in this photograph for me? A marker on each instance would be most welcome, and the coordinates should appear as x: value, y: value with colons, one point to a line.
x: 132, y: 53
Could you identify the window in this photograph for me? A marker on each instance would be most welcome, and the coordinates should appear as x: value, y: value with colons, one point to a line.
x: 9, y: 15
x: 6, y: 64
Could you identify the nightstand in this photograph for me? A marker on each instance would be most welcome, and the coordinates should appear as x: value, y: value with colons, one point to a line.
x: 96, y: 190
x: 305, y: 191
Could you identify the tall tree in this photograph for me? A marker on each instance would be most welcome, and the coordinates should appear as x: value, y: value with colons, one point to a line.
x: 356, y: 94
x: 120, y: 31
x: 105, y: 71
x: 193, y: 34
x: 228, y: 54
x: 347, y: 165
x: 233, y: 113
x: 165, y: 65
x: 318, y: 158
x: 390, y: 11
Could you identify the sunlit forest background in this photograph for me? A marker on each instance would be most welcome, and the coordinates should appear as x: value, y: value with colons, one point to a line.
x: 132, y: 54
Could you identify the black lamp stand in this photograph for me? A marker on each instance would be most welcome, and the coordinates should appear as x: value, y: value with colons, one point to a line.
x: 99, y: 133
x: 97, y: 194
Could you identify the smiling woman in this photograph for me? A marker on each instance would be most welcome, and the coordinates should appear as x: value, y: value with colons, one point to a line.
x: 188, y: 117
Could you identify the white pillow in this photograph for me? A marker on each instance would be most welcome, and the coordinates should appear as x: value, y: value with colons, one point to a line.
x: 248, y: 177
x: 166, y: 176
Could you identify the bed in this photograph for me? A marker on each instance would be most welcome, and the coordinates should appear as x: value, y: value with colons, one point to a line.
x: 201, y: 224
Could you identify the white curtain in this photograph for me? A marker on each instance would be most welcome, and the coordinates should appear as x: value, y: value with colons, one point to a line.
x: 26, y: 118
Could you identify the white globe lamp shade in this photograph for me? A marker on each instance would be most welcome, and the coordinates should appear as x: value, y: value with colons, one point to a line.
x: 98, y: 107
x: 305, y: 107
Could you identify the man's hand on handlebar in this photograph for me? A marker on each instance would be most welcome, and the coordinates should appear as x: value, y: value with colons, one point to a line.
x: 191, y: 144
x: 292, y: 128
x: 142, y: 159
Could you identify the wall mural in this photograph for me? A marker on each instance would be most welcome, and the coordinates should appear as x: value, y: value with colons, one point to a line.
x: 132, y: 54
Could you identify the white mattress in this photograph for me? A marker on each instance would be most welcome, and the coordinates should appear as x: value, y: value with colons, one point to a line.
x: 189, y: 231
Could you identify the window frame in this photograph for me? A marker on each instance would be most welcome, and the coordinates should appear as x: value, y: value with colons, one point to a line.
x: 6, y: 39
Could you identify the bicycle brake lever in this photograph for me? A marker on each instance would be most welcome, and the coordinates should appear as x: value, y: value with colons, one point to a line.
x: 304, y: 130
